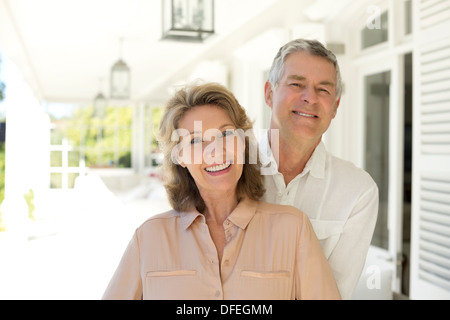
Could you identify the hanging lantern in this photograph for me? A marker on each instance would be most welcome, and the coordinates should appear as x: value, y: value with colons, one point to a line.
x: 120, y: 78
x: 190, y: 20
x: 100, y: 104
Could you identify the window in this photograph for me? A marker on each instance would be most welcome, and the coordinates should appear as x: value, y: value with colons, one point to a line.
x: 153, y: 118
x: 377, y: 147
x: 375, y: 32
x: 79, y: 139
x: 408, y: 17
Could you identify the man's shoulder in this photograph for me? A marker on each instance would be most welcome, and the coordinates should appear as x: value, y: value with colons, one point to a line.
x: 347, y: 170
x: 278, y: 209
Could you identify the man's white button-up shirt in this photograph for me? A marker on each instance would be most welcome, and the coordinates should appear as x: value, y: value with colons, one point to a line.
x: 341, y: 201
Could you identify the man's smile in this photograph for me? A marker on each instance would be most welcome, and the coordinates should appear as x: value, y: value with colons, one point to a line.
x: 307, y: 115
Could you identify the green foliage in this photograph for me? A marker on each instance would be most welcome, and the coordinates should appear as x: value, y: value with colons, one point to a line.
x: 2, y: 224
x: 29, y: 198
x: 106, y: 141
x: 2, y: 172
x: 2, y: 182
x: 2, y: 91
x: 156, y: 119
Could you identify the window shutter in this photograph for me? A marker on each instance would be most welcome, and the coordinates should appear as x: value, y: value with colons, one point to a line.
x: 430, y: 235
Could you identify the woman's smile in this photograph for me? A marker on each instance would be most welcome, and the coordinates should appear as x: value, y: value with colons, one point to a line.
x: 219, y: 168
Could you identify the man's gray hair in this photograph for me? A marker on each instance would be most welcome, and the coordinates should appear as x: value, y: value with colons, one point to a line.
x: 313, y: 47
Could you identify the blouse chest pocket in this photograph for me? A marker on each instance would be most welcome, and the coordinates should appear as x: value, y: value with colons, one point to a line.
x: 169, y: 284
x: 328, y: 232
x: 265, y: 285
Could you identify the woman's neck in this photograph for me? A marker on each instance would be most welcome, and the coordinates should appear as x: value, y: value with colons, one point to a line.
x: 219, y: 206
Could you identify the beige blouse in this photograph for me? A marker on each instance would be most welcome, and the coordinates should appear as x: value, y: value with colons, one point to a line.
x: 271, y: 253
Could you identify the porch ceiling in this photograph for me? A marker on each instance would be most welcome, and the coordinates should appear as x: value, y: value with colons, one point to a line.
x: 65, y: 48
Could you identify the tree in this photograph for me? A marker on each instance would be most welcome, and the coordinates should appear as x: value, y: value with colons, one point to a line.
x: 104, y: 141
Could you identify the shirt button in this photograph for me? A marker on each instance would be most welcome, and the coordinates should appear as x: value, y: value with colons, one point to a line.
x: 227, y: 222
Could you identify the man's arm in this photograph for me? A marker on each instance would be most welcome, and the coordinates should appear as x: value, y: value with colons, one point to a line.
x: 348, y: 257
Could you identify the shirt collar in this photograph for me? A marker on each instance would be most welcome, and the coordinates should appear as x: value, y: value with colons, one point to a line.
x: 240, y: 216
x: 265, y: 152
x: 269, y: 165
x: 315, y: 164
x: 187, y: 218
x: 243, y: 213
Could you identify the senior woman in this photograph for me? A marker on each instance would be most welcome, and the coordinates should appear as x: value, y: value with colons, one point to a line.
x: 219, y: 241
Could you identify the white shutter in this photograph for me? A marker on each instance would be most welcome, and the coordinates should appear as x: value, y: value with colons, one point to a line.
x: 430, y: 235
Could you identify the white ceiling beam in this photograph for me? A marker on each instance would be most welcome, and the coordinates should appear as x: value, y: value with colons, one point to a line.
x: 325, y: 10
x: 12, y: 44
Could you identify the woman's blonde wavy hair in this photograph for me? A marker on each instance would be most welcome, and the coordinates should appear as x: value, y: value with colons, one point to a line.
x: 183, y: 194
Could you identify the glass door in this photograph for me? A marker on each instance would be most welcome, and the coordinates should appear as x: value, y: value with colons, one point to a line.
x: 377, y: 147
x: 382, y: 147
